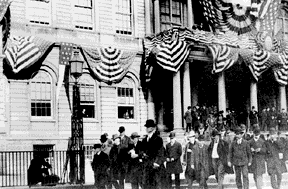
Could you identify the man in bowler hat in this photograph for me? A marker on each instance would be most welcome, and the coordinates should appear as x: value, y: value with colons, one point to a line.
x: 218, y: 150
x: 124, y: 148
x: 100, y: 166
x: 275, y: 159
x: 173, y: 166
x: 153, y: 157
x: 258, y: 149
x: 240, y: 157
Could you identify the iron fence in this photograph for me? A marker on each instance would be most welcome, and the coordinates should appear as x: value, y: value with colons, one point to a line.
x: 14, y: 166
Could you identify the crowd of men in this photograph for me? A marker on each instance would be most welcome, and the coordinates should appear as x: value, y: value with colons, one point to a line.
x: 147, y: 162
x: 210, y: 117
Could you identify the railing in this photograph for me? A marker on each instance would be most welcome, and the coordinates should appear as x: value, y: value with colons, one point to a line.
x: 14, y: 166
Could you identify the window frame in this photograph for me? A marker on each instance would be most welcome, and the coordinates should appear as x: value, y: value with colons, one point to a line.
x: 52, y: 101
x: 171, y: 23
x: 133, y: 17
x: 74, y: 23
x: 127, y: 83
x: 35, y: 22
x: 96, y: 96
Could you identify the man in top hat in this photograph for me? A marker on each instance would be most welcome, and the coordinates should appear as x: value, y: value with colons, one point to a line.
x: 100, y: 166
x: 124, y: 148
x: 173, y: 155
x: 258, y: 149
x: 217, y: 151
x: 153, y: 157
x: 188, y: 119
x: 240, y: 157
x: 136, y: 163
x: 275, y: 159
x: 253, y: 116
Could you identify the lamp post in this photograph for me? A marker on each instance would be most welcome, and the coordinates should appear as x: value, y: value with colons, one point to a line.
x: 77, y: 160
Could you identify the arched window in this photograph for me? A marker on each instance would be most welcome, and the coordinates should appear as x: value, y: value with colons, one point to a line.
x: 41, y: 95
x: 126, y: 99
x: 87, y: 96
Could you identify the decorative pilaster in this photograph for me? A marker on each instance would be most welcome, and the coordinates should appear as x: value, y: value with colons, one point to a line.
x: 3, y: 82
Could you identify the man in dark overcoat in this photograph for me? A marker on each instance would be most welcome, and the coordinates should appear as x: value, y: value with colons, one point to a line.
x: 100, y: 166
x: 187, y: 159
x: 153, y: 157
x: 258, y: 149
x: 240, y: 157
x: 124, y: 148
x: 218, y: 152
x: 275, y: 158
x: 173, y: 155
x: 136, y: 163
x: 200, y: 160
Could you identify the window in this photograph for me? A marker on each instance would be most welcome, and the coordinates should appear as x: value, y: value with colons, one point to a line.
x: 87, y: 96
x: 88, y: 152
x: 124, y: 17
x: 83, y: 14
x: 172, y: 13
x: 39, y: 11
x: 41, y: 95
x: 126, y: 99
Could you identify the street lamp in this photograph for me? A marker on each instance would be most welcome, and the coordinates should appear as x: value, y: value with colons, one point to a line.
x: 77, y: 160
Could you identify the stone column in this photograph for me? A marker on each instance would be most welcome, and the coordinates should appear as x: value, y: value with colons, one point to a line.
x: 186, y: 86
x: 221, y: 93
x: 186, y: 69
x: 177, y: 108
x: 151, y: 106
x: 253, y: 95
x: 282, y: 95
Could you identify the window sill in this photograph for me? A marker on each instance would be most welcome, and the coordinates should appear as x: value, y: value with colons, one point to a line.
x: 42, y: 119
x: 127, y: 121
x: 90, y: 120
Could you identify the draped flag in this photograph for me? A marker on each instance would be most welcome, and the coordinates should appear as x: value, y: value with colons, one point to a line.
x: 172, y: 54
x: 23, y: 52
x: 5, y: 20
x: 281, y: 72
x: 236, y: 18
x: 109, y: 65
x: 223, y: 57
x: 65, y: 53
x: 269, y: 17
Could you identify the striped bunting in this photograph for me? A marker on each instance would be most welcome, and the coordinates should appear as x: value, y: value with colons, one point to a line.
x: 23, y: 52
x: 281, y: 72
x: 172, y: 54
x: 223, y: 57
x: 109, y: 65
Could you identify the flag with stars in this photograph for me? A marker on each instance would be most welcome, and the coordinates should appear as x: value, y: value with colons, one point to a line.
x: 269, y: 19
x: 65, y: 53
x: 209, y: 12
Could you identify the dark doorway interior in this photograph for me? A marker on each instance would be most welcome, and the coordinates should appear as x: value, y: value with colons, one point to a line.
x: 237, y: 82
